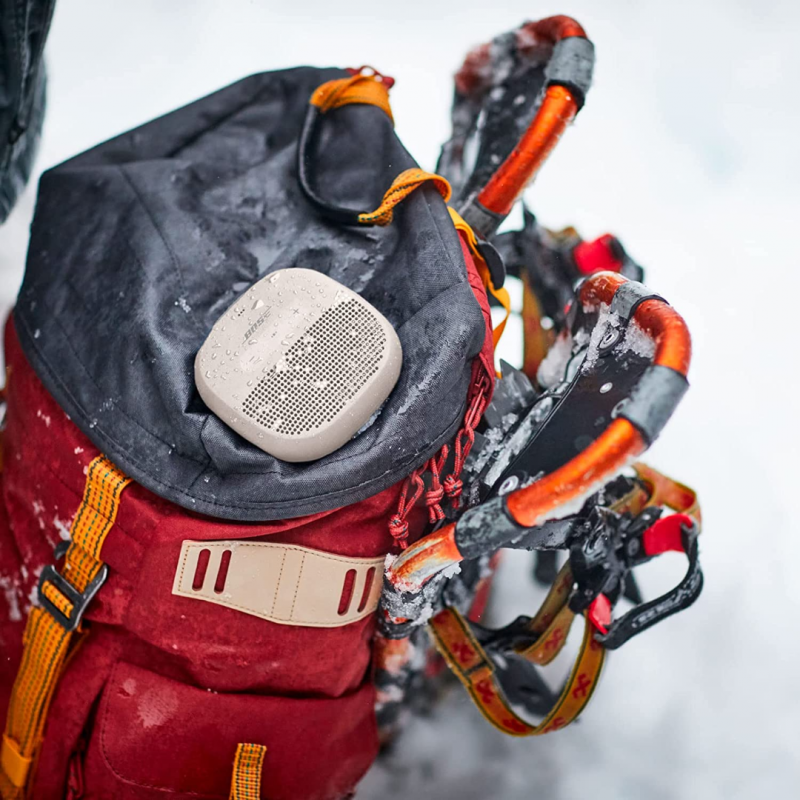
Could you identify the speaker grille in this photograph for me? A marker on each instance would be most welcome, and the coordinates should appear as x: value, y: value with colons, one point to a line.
x: 320, y: 372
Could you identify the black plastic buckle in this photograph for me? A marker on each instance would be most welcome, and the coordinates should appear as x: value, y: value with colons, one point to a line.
x: 79, y: 600
x: 602, y: 560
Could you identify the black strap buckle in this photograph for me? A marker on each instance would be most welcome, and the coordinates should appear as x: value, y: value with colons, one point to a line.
x: 645, y: 615
x: 79, y: 600
x: 602, y: 562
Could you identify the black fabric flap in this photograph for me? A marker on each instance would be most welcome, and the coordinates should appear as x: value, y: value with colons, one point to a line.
x: 139, y: 244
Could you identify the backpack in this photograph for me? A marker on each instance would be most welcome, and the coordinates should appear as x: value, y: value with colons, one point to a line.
x: 188, y: 615
x: 137, y: 247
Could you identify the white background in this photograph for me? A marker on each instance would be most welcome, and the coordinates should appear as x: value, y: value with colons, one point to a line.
x: 687, y: 149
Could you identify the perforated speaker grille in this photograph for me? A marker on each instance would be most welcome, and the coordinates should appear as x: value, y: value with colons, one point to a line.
x: 320, y: 373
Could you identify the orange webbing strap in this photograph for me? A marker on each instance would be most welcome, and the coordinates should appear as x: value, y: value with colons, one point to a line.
x: 665, y: 491
x: 501, y: 294
x: 467, y: 659
x: 46, y: 639
x: 367, y: 89
x: 402, y: 186
x: 246, y: 778
x: 552, y: 622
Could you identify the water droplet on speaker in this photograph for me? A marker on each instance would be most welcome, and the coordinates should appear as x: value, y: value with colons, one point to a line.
x: 208, y: 374
x: 253, y: 341
x: 249, y: 383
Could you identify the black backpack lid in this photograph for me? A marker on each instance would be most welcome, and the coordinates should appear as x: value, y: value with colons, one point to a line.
x: 140, y: 244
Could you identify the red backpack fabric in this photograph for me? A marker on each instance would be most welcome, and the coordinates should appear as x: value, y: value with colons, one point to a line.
x: 162, y: 688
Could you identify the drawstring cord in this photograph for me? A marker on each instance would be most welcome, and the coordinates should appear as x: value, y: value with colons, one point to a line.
x: 452, y: 486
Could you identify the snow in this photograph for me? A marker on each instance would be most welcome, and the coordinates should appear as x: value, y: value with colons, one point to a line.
x: 551, y: 370
x: 637, y: 341
x: 687, y: 150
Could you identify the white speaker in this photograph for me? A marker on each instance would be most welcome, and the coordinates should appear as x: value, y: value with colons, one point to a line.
x: 298, y: 364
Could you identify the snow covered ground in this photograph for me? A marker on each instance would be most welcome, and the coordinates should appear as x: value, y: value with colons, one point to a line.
x: 687, y: 149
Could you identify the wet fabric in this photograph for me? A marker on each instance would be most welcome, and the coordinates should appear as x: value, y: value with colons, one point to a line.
x: 139, y: 245
x: 163, y: 688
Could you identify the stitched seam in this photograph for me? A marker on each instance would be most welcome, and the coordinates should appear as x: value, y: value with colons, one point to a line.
x: 297, y: 586
x: 278, y: 584
x: 183, y: 566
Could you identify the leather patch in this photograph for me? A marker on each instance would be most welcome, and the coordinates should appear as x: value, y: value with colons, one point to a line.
x: 286, y: 584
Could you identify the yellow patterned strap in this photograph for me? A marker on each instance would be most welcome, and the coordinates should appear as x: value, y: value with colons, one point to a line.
x: 471, y: 665
x: 247, y: 766
x: 552, y: 622
x: 501, y: 294
x: 48, y: 635
x: 405, y: 183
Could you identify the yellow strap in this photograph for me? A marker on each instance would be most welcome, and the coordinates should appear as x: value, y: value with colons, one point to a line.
x: 501, y: 294
x: 405, y: 183
x: 467, y: 659
x: 247, y: 766
x: 367, y: 89
x: 46, y: 642
x: 552, y: 640
x: 665, y: 491
x: 536, y: 341
x: 15, y: 765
